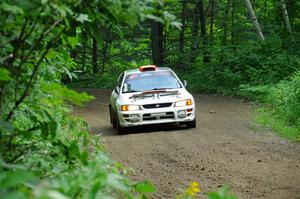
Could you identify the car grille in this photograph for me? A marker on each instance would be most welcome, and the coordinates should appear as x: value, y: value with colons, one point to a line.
x: 159, y: 105
x: 166, y: 115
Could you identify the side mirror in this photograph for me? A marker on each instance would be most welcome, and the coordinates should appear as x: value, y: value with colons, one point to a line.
x: 184, y: 83
x: 117, y: 89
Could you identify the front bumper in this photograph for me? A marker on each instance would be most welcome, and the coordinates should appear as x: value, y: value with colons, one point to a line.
x: 157, y: 116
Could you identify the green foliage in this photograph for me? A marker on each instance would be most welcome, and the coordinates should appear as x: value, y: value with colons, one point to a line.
x: 283, y: 111
x: 145, y: 187
x: 269, y: 119
x: 56, y: 155
x: 258, y: 93
x: 66, y: 94
x: 45, y: 151
x: 4, y: 74
x: 222, y: 193
x: 105, y: 80
x: 264, y: 72
x: 96, y: 179
x: 285, y: 98
x: 250, y: 64
x: 283, y: 115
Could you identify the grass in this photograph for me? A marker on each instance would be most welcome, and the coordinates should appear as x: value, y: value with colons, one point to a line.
x: 267, y: 119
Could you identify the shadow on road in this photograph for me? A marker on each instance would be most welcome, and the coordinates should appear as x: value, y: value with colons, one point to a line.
x: 110, y: 131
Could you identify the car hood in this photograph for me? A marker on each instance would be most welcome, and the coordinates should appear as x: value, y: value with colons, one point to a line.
x: 159, y: 96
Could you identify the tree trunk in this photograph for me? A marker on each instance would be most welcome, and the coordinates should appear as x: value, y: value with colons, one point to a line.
x: 104, y: 56
x: 105, y: 49
x: 157, y: 43
x: 203, y: 31
x: 211, y: 25
x: 195, y: 29
x: 232, y: 20
x: 84, y: 44
x: 1, y: 99
x: 2, y: 93
x: 293, y: 8
x: 72, y: 31
x: 225, y: 28
x: 265, y: 9
x: 181, y: 34
x: 95, y: 56
x: 202, y: 19
x: 83, y: 56
x: 286, y: 17
x: 212, y: 18
x: 254, y: 19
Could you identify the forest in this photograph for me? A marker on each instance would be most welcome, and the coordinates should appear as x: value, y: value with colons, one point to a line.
x: 49, y: 49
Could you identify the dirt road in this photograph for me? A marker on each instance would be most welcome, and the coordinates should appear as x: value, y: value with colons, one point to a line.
x: 226, y: 147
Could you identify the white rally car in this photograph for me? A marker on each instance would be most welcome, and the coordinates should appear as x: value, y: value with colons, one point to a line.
x: 151, y: 95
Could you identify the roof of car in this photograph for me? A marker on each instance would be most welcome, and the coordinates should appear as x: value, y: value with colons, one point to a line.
x: 157, y: 69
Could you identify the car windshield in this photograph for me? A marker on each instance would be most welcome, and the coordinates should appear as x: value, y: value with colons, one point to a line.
x: 150, y: 80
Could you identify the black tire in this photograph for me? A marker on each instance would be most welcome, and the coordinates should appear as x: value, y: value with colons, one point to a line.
x: 191, y: 124
x: 112, y: 117
x: 114, y: 122
x: 110, y: 114
x: 121, y: 130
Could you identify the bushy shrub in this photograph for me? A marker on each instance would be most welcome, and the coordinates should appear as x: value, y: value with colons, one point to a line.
x: 48, y: 153
x: 250, y: 63
x: 285, y: 98
x: 260, y: 71
x: 105, y: 81
x: 45, y: 151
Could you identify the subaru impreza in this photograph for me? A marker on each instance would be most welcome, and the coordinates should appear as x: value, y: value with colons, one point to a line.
x: 151, y: 95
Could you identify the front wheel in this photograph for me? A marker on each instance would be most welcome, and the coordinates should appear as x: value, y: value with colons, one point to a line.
x: 112, y: 117
x: 191, y: 124
x: 120, y: 129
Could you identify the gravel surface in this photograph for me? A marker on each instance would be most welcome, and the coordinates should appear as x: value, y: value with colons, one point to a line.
x: 227, y: 147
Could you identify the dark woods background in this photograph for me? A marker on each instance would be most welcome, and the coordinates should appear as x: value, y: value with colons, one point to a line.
x: 218, y: 44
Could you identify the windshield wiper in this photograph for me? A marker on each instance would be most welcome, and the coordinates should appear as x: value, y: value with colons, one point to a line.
x: 131, y: 91
x: 156, y: 89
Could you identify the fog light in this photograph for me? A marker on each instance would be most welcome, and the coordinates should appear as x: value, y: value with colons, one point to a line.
x: 134, y: 118
x: 181, y: 114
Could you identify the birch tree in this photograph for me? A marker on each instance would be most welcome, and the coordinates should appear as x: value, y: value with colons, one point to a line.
x: 286, y: 17
x: 254, y: 19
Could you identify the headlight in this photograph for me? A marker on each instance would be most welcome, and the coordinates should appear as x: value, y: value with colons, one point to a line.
x: 130, y: 108
x: 187, y: 102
